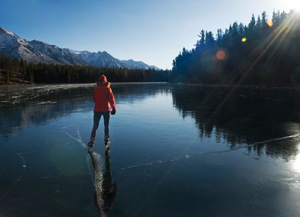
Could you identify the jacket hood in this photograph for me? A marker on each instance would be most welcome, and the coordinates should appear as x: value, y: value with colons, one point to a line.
x: 103, y: 84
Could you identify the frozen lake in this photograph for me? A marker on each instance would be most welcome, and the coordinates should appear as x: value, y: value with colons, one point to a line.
x: 175, y: 151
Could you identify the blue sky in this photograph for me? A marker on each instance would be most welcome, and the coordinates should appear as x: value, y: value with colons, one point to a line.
x: 152, y: 31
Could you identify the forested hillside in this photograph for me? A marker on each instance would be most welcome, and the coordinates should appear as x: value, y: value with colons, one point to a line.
x: 19, y: 71
x: 263, y: 53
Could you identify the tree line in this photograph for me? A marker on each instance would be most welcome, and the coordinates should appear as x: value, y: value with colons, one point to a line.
x: 21, y: 71
x: 263, y: 53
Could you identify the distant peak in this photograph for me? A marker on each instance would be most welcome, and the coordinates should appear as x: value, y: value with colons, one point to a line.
x: 38, y: 51
x: 2, y: 30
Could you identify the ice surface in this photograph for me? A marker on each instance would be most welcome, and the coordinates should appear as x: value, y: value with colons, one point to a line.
x: 169, y: 155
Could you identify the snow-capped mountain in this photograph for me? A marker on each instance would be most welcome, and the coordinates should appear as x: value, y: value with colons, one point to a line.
x: 13, y: 46
x: 100, y: 59
x: 36, y: 51
x: 135, y: 64
x: 58, y: 55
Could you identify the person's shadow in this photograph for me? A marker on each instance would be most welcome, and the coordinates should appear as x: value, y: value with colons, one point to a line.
x: 105, y: 188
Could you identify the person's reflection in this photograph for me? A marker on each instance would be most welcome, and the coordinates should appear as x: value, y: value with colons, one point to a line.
x: 106, y: 189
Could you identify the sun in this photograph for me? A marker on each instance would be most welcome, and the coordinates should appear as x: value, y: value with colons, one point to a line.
x: 288, y: 5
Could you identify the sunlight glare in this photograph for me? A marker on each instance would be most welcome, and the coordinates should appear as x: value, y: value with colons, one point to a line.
x: 296, y: 162
x: 269, y: 23
x: 288, y: 5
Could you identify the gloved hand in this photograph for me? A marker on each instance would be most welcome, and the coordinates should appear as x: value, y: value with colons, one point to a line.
x: 113, y: 112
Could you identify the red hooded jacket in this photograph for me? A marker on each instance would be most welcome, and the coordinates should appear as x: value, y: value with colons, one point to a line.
x: 104, y: 98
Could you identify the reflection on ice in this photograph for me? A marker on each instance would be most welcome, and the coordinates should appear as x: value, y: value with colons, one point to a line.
x: 105, y: 188
x: 169, y: 159
x: 247, y: 146
x: 296, y: 161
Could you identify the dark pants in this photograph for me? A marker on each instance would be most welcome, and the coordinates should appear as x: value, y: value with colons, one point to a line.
x: 97, y: 117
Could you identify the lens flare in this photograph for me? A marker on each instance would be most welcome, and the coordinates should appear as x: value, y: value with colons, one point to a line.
x: 221, y: 55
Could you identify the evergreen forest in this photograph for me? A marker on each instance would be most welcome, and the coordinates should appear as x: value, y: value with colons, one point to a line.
x: 264, y: 53
x: 19, y: 71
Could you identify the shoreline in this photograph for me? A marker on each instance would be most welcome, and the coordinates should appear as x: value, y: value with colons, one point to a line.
x: 248, y: 87
x: 252, y: 87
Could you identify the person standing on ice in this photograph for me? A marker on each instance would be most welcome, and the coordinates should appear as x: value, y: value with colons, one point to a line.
x: 104, y: 106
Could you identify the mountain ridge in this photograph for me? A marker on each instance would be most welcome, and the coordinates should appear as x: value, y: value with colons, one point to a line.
x: 35, y: 51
